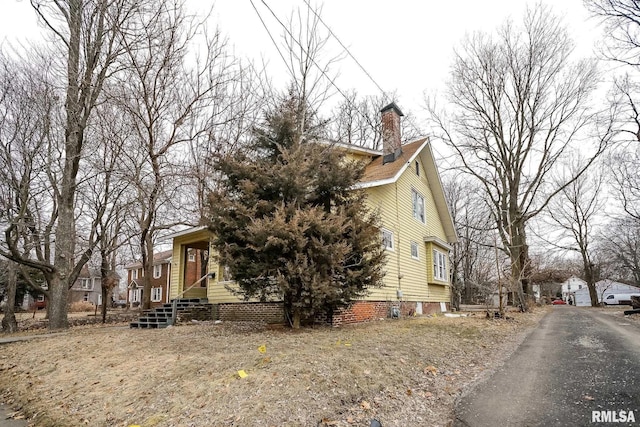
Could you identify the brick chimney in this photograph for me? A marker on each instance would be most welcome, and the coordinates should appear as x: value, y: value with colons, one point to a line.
x: 391, y: 142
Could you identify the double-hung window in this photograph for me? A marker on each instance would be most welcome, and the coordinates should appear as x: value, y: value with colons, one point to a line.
x: 157, y: 271
x: 86, y: 284
x: 387, y: 239
x: 415, y: 254
x: 439, y: 266
x: 156, y: 294
x: 418, y: 206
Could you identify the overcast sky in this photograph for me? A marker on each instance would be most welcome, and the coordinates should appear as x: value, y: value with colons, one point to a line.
x: 405, y: 45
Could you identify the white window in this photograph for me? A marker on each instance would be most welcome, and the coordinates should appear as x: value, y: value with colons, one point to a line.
x: 192, y: 257
x: 99, y: 299
x: 156, y: 294
x: 135, y: 295
x: 387, y: 239
x: 40, y: 298
x: 417, y: 168
x: 225, y: 274
x: 85, y: 284
x: 415, y: 254
x: 157, y: 271
x: 418, y: 205
x: 134, y: 274
x: 439, y: 266
x: 85, y: 298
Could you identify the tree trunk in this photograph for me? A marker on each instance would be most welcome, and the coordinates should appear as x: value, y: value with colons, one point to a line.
x: 589, y: 277
x: 519, y: 258
x: 9, y: 323
x: 103, y: 310
x: 58, y: 303
x: 105, y: 283
x: 147, y: 269
x: 296, y: 315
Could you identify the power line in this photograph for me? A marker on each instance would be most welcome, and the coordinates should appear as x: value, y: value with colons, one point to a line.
x: 271, y: 37
x: 384, y: 93
x: 303, y: 49
x: 322, y: 71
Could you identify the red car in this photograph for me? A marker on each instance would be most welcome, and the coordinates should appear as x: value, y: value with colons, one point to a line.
x: 558, y: 302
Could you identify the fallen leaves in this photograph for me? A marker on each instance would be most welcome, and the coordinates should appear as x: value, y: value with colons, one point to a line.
x: 431, y: 370
x: 344, y: 377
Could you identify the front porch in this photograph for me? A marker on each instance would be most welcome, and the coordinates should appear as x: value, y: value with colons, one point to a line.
x: 190, y: 263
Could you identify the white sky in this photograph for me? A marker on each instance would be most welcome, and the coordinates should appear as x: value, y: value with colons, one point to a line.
x: 406, y: 45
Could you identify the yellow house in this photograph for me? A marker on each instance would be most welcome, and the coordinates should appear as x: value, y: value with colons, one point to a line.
x: 402, y: 182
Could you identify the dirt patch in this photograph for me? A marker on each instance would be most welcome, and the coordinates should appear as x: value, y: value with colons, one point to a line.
x: 402, y: 372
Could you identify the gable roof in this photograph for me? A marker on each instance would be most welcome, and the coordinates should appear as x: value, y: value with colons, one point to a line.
x: 377, y: 174
x: 158, y: 258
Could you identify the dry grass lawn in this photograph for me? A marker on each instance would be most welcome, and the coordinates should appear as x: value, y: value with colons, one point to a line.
x: 402, y: 372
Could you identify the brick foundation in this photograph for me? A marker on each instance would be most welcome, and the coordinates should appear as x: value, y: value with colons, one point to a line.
x: 364, y: 311
x: 265, y: 312
x: 360, y: 311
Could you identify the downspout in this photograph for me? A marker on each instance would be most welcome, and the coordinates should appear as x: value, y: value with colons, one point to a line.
x: 398, y: 228
x: 166, y: 298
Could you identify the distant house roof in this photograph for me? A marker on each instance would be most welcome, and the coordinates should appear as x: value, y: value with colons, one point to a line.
x: 86, y: 272
x: 158, y: 258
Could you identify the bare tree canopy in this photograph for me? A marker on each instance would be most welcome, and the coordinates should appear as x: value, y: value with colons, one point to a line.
x: 622, y: 26
x: 519, y: 105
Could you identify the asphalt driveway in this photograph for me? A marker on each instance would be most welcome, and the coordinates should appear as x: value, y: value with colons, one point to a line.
x: 580, y: 367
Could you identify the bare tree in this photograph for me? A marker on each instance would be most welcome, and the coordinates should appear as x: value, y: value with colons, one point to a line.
x: 472, y: 260
x: 576, y: 213
x: 518, y: 106
x: 107, y: 193
x: 86, y: 34
x: 358, y: 121
x: 169, y: 91
x: 29, y: 162
x: 229, y: 123
x: 619, y: 244
x: 9, y: 323
x: 622, y: 22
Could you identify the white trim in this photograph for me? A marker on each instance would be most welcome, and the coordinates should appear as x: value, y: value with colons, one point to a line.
x: 413, y: 206
x: 440, y: 266
x: 156, y: 298
x: 438, y: 241
x: 391, y: 248
x: 415, y: 245
x: 159, y: 267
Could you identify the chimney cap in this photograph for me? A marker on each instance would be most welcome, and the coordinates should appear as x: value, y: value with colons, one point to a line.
x: 392, y: 106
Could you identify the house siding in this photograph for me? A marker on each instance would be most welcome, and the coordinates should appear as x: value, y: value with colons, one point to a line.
x: 420, y: 292
x: 413, y: 277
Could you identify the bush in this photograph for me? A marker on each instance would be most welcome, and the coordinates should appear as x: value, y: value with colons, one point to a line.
x: 80, y: 306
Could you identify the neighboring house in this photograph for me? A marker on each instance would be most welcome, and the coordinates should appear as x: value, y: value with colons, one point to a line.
x: 87, y: 287
x: 403, y: 183
x: 571, y: 285
x: 161, y: 274
x: 159, y: 280
x: 604, y: 289
x: 32, y: 302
